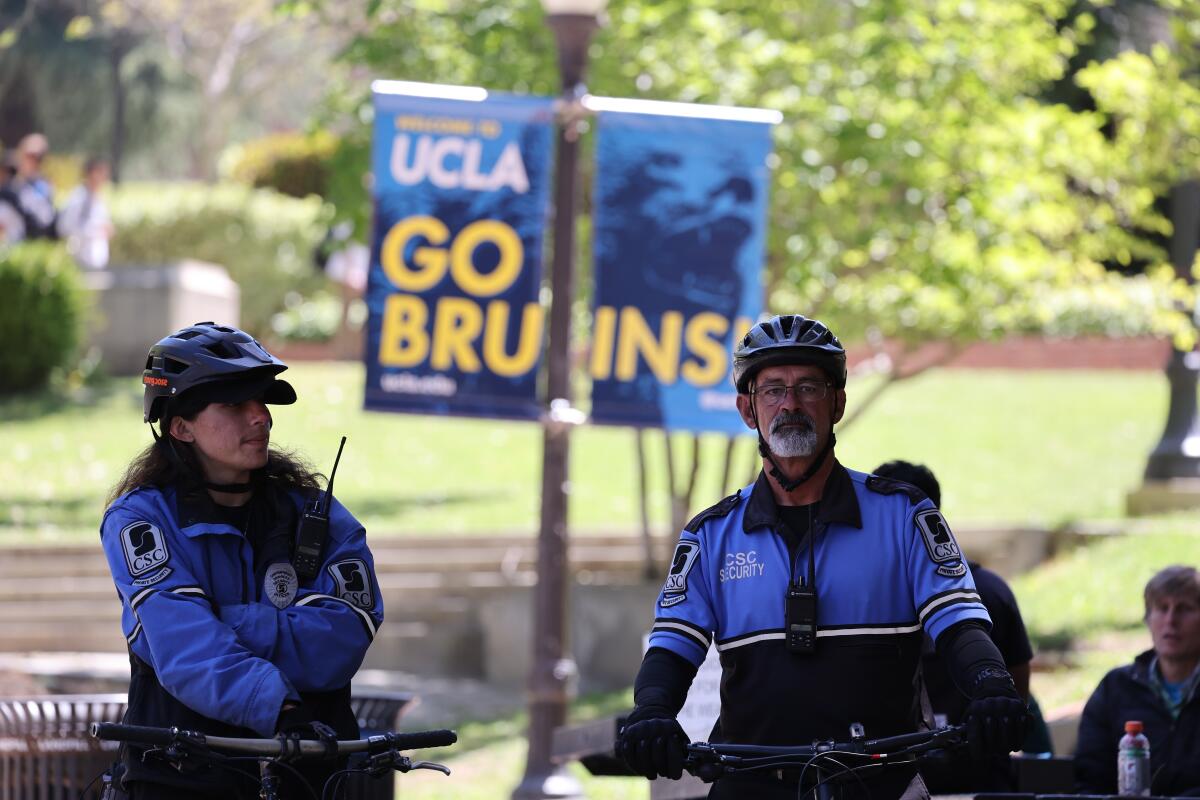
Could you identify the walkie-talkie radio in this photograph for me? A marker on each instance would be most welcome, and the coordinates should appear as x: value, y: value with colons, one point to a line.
x: 313, y: 529
x: 800, y: 619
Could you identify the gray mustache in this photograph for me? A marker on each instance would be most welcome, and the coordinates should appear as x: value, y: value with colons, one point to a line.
x: 801, y: 419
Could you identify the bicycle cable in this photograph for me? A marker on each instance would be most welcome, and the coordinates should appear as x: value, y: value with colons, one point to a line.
x: 274, y: 763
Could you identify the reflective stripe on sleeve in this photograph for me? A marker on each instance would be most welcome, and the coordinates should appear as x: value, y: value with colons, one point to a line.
x: 664, y: 625
x: 366, y: 618
x: 939, y: 601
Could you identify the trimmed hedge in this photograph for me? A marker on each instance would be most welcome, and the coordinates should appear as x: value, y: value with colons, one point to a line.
x: 264, y: 239
x: 42, y: 305
x: 294, y: 164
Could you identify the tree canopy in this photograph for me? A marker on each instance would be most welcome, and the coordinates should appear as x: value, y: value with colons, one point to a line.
x: 926, y: 186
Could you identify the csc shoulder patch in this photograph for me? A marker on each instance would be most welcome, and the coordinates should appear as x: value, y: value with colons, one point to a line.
x: 353, y: 582
x: 675, y: 589
x: 889, y: 486
x: 721, y: 509
x: 144, y: 548
x: 939, y: 541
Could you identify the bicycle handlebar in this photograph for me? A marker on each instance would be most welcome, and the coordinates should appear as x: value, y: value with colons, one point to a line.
x: 703, y: 758
x: 139, y: 734
x: 905, y: 743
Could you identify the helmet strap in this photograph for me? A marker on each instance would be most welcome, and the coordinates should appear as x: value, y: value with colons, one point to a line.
x: 776, y: 471
x: 184, y: 468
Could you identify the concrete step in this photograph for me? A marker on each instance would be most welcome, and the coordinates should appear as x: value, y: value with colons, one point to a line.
x: 76, y: 612
x: 391, y: 555
x: 414, y: 587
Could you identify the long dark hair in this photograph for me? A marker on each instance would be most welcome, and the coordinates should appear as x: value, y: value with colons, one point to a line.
x: 154, y: 467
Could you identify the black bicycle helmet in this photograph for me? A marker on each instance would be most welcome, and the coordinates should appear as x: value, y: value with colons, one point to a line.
x: 788, y: 339
x: 211, y: 363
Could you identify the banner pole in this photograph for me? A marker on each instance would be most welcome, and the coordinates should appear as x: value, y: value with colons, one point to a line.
x: 553, y: 667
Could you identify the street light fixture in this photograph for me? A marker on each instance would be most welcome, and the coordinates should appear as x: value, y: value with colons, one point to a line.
x: 573, y: 23
x: 1172, y: 477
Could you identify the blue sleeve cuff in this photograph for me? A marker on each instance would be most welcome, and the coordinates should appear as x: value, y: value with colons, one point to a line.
x: 682, y: 646
x: 940, y: 620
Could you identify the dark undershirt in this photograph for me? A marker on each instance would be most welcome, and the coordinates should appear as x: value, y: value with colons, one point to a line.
x: 239, y: 517
x: 794, y: 529
x: 235, y: 516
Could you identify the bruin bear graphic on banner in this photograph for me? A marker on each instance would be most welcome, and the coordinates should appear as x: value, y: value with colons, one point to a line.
x: 144, y: 547
x: 353, y: 582
x: 939, y: 541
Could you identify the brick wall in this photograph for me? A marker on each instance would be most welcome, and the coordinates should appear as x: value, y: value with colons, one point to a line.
x: 1036, y: 353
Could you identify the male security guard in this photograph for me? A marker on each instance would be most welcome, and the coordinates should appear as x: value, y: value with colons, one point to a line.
x: 816, y: 583
x: 231, y: 631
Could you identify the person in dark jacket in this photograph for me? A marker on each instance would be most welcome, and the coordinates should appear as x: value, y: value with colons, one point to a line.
x: 957, y: 772
x: 1161, y: 689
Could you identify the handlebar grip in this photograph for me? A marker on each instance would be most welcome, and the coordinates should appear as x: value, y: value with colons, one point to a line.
x: 116, y: 732
x: 421, y: 739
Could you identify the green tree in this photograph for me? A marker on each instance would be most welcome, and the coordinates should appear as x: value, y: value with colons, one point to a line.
x: 927, y: 185
x: 924, y: 188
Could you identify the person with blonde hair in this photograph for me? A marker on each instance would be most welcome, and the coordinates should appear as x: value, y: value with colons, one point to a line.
x: 1160, y: 689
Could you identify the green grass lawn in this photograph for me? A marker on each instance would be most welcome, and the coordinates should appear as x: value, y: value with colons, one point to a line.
x: 1036, y: 447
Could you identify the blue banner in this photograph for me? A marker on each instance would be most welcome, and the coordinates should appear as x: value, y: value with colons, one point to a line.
x: 461, y: 185
x: 679, y: 241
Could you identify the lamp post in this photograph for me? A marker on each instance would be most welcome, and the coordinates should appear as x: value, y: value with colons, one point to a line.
x: 1172, y: 478
x: 573, y: 23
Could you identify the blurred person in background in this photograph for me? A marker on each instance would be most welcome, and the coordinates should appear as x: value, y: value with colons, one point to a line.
x: 12, y: 223
x: 958, y: 772
x: 84, y: 220
x: 1160, y: 689
x: 34, y: 194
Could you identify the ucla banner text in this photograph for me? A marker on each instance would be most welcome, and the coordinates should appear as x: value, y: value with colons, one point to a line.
x: 679, y: 227
x: 460, y: 189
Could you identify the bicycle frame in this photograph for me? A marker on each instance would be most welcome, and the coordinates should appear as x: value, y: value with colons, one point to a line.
x: 382, y: 750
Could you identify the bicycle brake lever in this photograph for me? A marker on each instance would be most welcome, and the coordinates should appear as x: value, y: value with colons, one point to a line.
x: 382, y: 763
x: 430, y: 765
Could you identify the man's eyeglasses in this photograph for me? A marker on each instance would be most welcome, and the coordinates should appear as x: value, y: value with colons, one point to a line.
x: 805, y: 391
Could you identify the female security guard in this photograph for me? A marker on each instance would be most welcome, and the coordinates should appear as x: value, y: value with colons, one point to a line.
x: 224, y: 636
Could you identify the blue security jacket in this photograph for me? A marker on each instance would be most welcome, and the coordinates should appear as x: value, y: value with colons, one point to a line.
x: 195, y: 611
x: 886, y: 568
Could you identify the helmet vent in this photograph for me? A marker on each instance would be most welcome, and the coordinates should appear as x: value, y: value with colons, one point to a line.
x: 786, y: 323
x: 188, y: 334
x: 173, y: 366
x: 222, y: 350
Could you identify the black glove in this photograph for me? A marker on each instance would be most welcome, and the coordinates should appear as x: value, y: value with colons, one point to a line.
x: 653, y: 743
x: 996, y: 716
x: 296, y: 723
x: 293, y: 716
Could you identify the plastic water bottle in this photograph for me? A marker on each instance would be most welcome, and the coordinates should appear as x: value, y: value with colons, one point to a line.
x: 1133, y: 762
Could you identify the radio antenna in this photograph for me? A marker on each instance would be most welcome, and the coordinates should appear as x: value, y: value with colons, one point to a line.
x: 332, y: 474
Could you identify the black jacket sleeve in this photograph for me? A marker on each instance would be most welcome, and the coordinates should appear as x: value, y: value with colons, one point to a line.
x: 663, y: 680
x: 970, y: 655
x: 1096, y: 749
